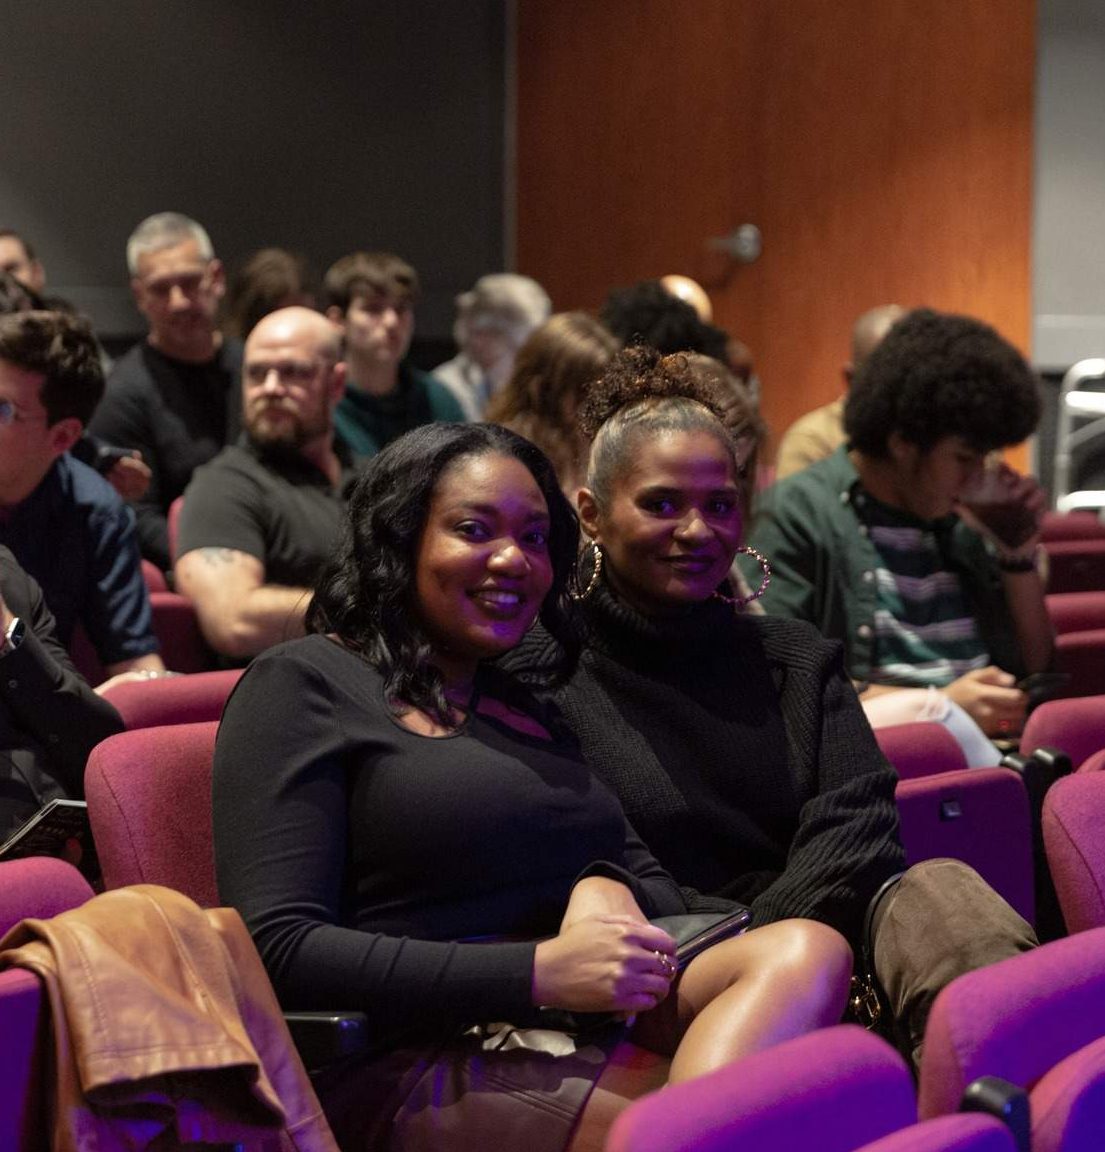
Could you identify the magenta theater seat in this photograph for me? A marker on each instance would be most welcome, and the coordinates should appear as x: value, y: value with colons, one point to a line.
x: 149, y: 801
x: 980, y: 816
x: 1074, y: 818
x: 189, y: 699
x: 1036, y: 1020
x: 837, y: 1090
x: 1075, y: 726
x: 920, y: 749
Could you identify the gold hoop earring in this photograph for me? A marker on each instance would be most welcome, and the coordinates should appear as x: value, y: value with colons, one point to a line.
x: 743, y: 601
x: 592, y: 584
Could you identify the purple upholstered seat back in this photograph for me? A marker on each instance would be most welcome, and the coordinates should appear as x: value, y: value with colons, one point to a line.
x: 1016, y: 1019
x: 187, y: 699
x: 1068, y: 1104
x: 1074, y: 822
x: 1076, y: 726
x: 920, y: 749
x: 978, y: 815
x: 38, y: 887
x: 837, y: 1090
x: 149, y: 800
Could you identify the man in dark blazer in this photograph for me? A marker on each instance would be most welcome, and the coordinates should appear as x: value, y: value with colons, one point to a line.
x: 50, y: 719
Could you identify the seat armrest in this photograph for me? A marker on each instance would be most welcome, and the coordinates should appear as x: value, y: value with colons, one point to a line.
x: 1003, y: 1100
x: 323, y: 1038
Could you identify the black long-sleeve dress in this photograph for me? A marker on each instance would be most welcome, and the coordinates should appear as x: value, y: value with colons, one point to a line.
x: 360, y: 853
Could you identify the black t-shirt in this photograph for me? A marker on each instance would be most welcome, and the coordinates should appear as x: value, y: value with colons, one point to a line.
x: 178, y: 415
x: 277, y: 507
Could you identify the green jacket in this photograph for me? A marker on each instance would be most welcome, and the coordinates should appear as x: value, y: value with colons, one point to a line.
x: 823, y: 565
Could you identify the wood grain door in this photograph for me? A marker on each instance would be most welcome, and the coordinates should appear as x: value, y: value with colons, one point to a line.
x: 882, y: 147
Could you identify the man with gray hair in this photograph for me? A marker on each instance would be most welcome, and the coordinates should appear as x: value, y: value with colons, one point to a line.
x: 493, y: 320
x: 174, y: 395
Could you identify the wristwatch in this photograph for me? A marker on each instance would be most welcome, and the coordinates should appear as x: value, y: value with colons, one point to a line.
x: 13, y: 636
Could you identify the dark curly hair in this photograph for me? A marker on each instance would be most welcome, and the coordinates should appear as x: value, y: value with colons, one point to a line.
x: 365, y: 593
x: 936, y: 375
x: 61, y: 348
x: 643, y: 393
x: 647, y: 313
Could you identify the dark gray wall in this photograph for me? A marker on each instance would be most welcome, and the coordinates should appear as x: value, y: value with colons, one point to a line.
x: 1069, y: 212
x: 321, y: 127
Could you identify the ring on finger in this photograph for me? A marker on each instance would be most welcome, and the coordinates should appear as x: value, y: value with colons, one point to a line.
x: 667, y: 964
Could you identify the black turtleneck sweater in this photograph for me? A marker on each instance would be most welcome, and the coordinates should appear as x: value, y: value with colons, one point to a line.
x: 739, y: 751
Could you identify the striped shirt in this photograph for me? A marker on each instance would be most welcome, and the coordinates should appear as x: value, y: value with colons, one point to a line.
x: 925, y: 631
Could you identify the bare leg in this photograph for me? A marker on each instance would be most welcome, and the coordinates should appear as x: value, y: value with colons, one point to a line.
x: 746, y: 994
x: 741, y: 996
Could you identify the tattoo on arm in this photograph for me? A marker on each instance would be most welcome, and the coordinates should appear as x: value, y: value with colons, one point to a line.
x: 219, y: 557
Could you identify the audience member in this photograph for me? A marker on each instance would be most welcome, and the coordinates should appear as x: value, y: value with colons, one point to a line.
x: 735, y: 742
x: 124, y: 469
x: 174, y: 395
x: 690, y: 292
x: 821, y: 432
x: 740, y: 415
x: 64, y: 522
x: 493, y: 321
x: 542, y: 397
x: 269, y: 280
x: 877, y: 547
x: 50, y: 719
x: 18, y: 259
x: 372, y: 295
x: 259, y: 520
x: 406, y: 832
x: 647, y: 313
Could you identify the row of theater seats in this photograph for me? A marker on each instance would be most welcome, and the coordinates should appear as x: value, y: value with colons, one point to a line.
x: 1075, y: 547
x: 149, y: 798
x: 1027, y: 1034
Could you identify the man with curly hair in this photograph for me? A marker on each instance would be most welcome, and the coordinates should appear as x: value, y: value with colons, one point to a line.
x: 887, y: 546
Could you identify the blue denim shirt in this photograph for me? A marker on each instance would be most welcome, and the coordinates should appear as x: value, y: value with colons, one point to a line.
x: 823, y: 565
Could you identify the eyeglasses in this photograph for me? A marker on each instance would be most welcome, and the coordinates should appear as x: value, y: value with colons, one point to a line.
x: 288, y: 372
x: 9, y: 414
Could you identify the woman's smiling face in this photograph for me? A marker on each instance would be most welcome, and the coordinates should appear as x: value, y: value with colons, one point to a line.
x: 482, y: 567
x: 672, y: 521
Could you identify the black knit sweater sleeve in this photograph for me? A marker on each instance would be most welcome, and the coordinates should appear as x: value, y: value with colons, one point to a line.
x: 847, y: 842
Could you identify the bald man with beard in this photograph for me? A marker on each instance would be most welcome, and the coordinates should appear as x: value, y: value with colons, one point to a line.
x: 260, y: 519
x: 820, y: 433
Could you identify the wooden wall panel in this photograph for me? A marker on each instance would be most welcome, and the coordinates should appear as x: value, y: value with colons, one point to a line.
x: 883, y: 147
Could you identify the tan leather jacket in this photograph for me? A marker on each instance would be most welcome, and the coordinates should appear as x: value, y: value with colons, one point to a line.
x: 166, y: 1029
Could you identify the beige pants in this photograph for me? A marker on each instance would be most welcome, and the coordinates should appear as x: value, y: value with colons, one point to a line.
x: 941, y: 920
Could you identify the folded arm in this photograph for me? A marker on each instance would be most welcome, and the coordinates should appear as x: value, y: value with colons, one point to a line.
x: 239, y: 614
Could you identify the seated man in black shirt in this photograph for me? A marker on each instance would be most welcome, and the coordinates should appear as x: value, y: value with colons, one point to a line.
x: 173, y: 396
x: 50, y: 719
x: 259, y: 519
